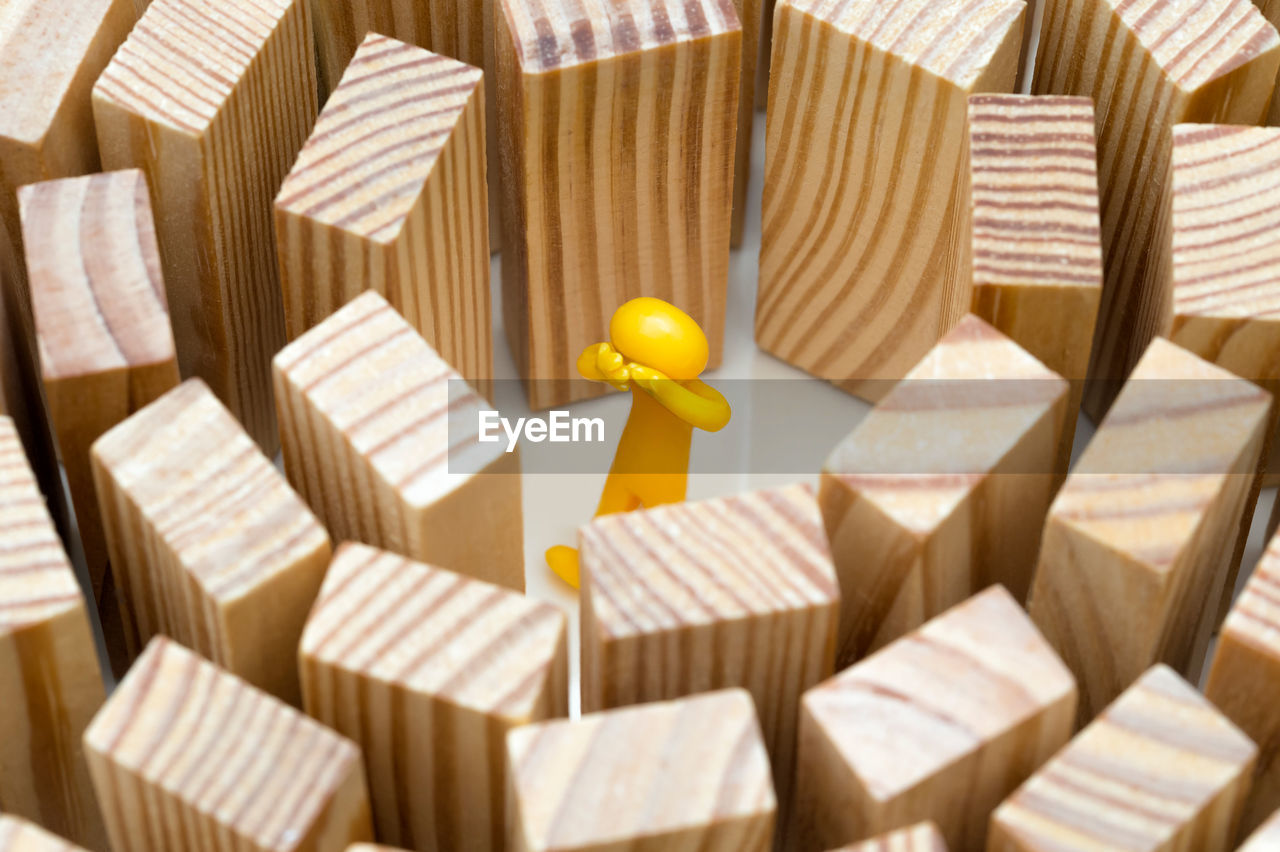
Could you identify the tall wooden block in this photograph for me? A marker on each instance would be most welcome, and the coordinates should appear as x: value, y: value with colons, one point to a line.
x: 389, y: 194
x: 1148, y: 66
x: 1270, y: 10
x: 471, y: 661
x: 864, y: 181
x: 1138, y: 542
x: 943, y: 488
x: 1159, y: 771
x: 616, y: 127
x: 18, y: 835
x: 380, y: 437
x: 185, y: 750
x: 1266, y: 838
x: 213, y: 100
x: 50, y: 685
x: 921, y: 837
x: 687, y: 774
x: 208, y: 543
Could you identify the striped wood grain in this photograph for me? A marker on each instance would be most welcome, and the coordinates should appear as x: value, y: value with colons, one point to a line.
x: 213, y: 100
x: 1270, y: 10
x: 922, y: 837
x: 380, y: 437
x: 616, y: 127
x: 1148, y: 65
x: 50, y: 685
x: 1138, y: 543
x: 208, y: 543
x: 1266, y: 838
x: 861, y: 250
x: 685, y: 774
x: 1159, y: 770
x: 18, y: 835
x: 389, y: 194
x: 941, y: 490
x: 185, y: 755
x: 427, y: 671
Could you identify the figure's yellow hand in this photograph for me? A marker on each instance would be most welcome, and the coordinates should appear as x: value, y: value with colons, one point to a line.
x: 602, y: 363
x: 644, y: 376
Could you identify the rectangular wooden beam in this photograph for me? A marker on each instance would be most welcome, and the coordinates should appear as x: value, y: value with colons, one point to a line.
x: 18, y: 835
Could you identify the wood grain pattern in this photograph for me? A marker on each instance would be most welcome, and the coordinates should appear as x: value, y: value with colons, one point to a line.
x: 1138, y: 542
x: 1159, y: 770
x: 922, y: 837
x: 861, y: 244
x: 941, y: 490
x: 616, y: 126
x: 389, y: 194
x: 49, y: 676
x: 208, y: 543
x: 213, y: 100
x: 690, y: 773
x: 380, y: 438
x: 18, y: 835
x: 1136, y: 59
x: 942, y: 724
x: 1266, y: 838
x: 185, y: 753
x: 427, y: 671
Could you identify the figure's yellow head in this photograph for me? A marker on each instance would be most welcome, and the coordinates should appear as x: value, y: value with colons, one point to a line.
x: 657, y: 334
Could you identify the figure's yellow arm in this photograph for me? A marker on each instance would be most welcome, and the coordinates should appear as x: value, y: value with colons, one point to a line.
x: 600, y: 362
x: 694, y: 402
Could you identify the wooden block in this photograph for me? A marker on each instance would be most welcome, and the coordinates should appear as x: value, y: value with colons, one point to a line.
x: 1147, y: 66
x: 1135, y: 551
x: 1160, y: 770
x: 389, y: 194
x: 942, y: 489
x: 679, y: 774
x: 380, y: 437
x: 213, y: 99
x: 616, y: 127
x: 1270, y: 10
x: 743, y: 585
x: 942, y: 724
x: 470, y: 662
x: 184, y: 749
x: 921, y: 837
x: 49, y: 678
x: 749, y: 16
x: 209, y: 544
x: 18, y: 835
x: 864, y: 180
x: 1266, y: 838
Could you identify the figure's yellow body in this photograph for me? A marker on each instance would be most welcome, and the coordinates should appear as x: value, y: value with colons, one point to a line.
x: 657, y: 351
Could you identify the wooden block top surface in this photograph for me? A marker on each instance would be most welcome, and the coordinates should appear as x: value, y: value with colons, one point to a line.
x: 401, y: 622
x: 640, y: 771
x: 940, y: 693
x: 1151, y: 762
x: 1035, y: 191
x: 706, y: 561
x: 222, y: 507
x: 18, y: 835
x: 94, y: 272
x: 1255, y: 616
x: 259, y: 767
x: 922, y: 837
x: 378, y: 138
x: 1266, y: 838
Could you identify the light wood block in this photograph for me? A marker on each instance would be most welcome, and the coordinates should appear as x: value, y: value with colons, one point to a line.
x: 208, y: 543
x: 184, y: 749
x: 18, y: 835
x: 864, y: 181
x: 389, y: 194
x: 1138, y: 542
x: 686, y: 774
x: 616, y: 127
x: 922, y: 837
x: 1266, y: 838
x: 1148, y: 65
x: 1159, y: 771
x: 380, y: 437
x: 942, y: 489
x: 1270, y: 10
x: 942, y: 724
x: 213, y: 99
x: 50, y: 685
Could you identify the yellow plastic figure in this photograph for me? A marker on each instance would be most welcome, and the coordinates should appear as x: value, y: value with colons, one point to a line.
x: 657, y: 351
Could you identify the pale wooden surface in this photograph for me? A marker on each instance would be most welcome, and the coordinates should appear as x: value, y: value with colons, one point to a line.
x: 1134, y: 60
x: 50, y: 685
x: 213, y: 100
x: 942, y: 489
x: 1270, y: 10
x: 1159, y: 770
x: 942, y: 724
x: 389, y: 194
x: 427, y: 671
x: 1266, y: 838
x: 183, y: 749
x: 380, y: 436
x: 690, y: 773
x: 861, y: 260
x: 922, y: 837
x: 208, y: 543
x: 635, y: 103
x: 18, y: 835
